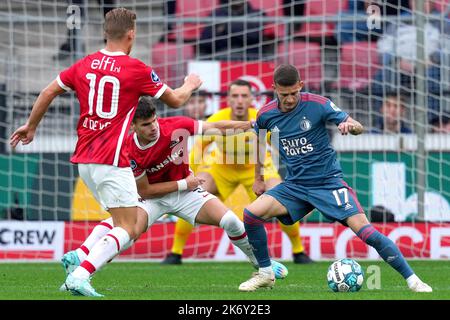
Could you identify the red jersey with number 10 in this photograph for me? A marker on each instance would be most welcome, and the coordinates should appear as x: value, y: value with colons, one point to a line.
x: 108, y: 86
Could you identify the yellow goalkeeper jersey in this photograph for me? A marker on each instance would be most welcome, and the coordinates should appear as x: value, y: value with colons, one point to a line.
x: 235, y: 150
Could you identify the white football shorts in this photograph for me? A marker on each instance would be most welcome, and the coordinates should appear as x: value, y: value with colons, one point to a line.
x: 112, y: 187
x: 183, y: 204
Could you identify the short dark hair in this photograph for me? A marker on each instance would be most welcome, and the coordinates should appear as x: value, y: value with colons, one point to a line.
x: 442, y: 118
x: 286, y: 75
x: 401, y: 95
x: 240, y: 82
x: 145, y: 109
x: 201, y: 93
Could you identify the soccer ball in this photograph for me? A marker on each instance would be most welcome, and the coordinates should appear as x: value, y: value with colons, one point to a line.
x: 345, y: 275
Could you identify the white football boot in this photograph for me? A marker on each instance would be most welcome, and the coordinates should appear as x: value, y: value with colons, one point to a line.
x: 258, y: 280
x: 420, y: 286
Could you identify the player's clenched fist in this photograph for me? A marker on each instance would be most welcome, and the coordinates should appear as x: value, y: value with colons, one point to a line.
x: 193, y: 182
x: 194, y: 81
x: 350, y: 126
x: 259, y: 187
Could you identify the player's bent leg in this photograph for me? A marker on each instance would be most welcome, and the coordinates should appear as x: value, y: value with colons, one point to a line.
x: 387, y: 250
x: 184, y: 229
x: 214, y: 212
x: 74, y: 258
x: 126, y: 219
x: 263, y: 208
x: 105, y: 249
x: 141, y: 227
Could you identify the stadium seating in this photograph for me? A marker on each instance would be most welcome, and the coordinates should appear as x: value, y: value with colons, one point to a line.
x: 190, y: 31
x: 272, y: 8
x: 318, y: 8
x: 358, y: 63
x: 441, y: 5
x: 307, y: 58
x: 169, y: 61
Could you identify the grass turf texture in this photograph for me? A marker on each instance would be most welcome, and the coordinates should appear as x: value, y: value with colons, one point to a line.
x: 214, y: 281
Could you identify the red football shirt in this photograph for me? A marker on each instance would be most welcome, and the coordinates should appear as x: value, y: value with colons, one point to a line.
x: 108, y: 86
x: 167, y: 158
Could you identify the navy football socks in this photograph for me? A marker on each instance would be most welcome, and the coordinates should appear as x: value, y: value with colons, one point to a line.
x: 256, y: 233
x: 386, y: 249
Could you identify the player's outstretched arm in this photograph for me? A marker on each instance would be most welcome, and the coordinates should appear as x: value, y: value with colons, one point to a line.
x: 178, y: 97
x: 225, y: 127
x: 350, y: 126
x: 154, y: 190
x: 26, y: 132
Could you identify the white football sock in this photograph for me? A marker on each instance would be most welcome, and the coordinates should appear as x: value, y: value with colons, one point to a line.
x: 236, y: 232
x: 412, y: 279
x: 99, y: 231
x: 266, y: 270
x: 102, y: 252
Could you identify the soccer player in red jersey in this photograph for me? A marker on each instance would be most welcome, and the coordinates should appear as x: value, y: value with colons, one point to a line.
x: 160, y: 162
x: 108, y: 84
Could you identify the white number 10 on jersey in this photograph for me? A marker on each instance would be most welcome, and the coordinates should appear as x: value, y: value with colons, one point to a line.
x: 101, y: 88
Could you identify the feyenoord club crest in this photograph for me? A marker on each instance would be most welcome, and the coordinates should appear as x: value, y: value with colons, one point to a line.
x: 305, y: 124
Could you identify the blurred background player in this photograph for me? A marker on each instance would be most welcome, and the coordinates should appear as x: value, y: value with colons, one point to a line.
x: 222, y: 179
x: 197, y: 106
x: 393, y: 114
x: 160, y: 163
x: 237, y: 40
x: 106, y: 116
x: 314, y: 177
x: 441, y: 124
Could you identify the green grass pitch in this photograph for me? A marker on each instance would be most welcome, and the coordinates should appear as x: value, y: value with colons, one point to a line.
x: 214, y: 281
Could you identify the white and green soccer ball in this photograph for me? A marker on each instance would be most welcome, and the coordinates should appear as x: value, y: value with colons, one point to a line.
x: 345, y: 275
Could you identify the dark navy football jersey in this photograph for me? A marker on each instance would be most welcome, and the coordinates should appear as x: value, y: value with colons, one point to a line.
x: 302, y: 138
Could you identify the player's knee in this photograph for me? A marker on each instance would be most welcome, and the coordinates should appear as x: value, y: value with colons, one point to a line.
x: 231, y: 224
x: 142, y: 222
x: 252, y: 219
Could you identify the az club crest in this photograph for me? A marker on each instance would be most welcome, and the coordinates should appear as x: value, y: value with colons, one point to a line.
x: 305, y: 124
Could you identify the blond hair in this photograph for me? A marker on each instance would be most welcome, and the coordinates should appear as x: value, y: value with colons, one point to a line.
x: 118, y: 22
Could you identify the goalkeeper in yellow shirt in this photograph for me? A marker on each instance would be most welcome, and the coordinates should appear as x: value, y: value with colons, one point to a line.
x: 228, y: 165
